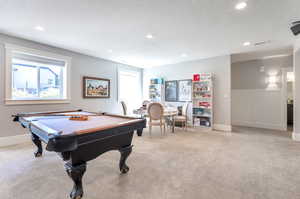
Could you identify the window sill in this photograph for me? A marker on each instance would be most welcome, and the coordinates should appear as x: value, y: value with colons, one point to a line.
x: 28, y: 102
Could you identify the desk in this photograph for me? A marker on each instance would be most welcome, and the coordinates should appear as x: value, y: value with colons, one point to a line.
x: 169, y: 112
x: 80, y: 141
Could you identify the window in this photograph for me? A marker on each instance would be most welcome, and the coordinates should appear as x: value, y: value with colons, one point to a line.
x: 36, y: 77
x: 130, y: 88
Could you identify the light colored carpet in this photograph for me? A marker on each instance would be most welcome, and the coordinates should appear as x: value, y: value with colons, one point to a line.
x: 246, y: 164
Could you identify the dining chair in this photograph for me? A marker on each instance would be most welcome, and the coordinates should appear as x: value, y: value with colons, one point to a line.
x: 146, y: 102
x: 124, y: 107
x: 184, y: 117
x: 156, y: 117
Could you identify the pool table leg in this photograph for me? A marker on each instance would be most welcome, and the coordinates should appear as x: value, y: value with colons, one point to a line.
x: 125, y: 152
x: 76, y: 173
x: 139, y: 132
x: 36, y: 140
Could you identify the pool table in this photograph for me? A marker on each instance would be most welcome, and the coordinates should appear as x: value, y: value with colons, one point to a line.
x: 79, y: 141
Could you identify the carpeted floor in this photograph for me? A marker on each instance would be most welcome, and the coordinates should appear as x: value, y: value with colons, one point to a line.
x: 246, y: 164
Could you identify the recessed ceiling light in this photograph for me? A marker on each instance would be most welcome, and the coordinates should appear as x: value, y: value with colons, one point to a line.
x: 241, y: 5
x: 149, y: 36
x: 39, y: 28
x: 183, y: 55
x: 110, y: 51
x: 247, y: 43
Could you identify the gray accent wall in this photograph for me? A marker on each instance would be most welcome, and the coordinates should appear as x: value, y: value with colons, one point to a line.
x: 82, y: 65
x: 219, y: 66
x: 255, y: 102
x: 248, y: 74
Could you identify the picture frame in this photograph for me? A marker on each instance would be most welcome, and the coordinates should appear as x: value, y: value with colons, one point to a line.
x: 171, y: 89
x: 94, y: 87
x: 185, y: 90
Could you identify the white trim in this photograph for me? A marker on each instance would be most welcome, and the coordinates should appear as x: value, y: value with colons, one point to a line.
x: 14, y: 140
x: 296, y: 136
x: 24, y: 102
x: 222, y: 127
x: 123, y: 69
x: 260, y: 125
x: 8, y: 54
x: 297, y: 44
x: 40, y: 53
x: 276, y: 56
x: 8, y: 73
x: 284, y: 94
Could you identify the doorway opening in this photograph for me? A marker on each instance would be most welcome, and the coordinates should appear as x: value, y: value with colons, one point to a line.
x: 289, y: 100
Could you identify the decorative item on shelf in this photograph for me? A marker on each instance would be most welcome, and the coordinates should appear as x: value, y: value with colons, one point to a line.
x: 204, y: 104
x: 196, y: 77
x: 202, y: 99
x: 94, y: 87
x: 157, y: 81
x: 205, y: 122
x: 155, y: 89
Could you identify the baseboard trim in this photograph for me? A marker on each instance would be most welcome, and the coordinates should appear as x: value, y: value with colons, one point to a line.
x: 259, y: 125
x: 222, y: 127
x: 13, y: 140
x: 296, y: 136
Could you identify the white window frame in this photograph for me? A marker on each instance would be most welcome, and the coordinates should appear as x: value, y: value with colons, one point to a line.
x: 9, y: 49
x: 123, y: 69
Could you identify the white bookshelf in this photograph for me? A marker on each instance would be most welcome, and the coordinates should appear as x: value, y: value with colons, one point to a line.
x: 203, y: 100
x: 156, y: 89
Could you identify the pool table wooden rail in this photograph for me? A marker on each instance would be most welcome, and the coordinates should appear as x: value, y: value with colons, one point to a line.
x: 32, y: 114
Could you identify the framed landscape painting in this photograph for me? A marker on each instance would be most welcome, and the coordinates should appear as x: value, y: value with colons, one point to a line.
x: 94, y: 87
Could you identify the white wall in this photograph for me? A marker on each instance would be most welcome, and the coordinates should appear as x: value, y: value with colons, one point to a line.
x: 290, y: 92
x: 253, y: 104
x: 219, y: 66
x: 296, y: 133
x: 258, y: 108
x: 82, y: 65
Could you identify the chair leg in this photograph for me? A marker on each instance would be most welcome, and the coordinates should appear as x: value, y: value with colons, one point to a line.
x: 161, y: 132
x: 164, y: 128
x: 173, y: 125
x: 150, y: 129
